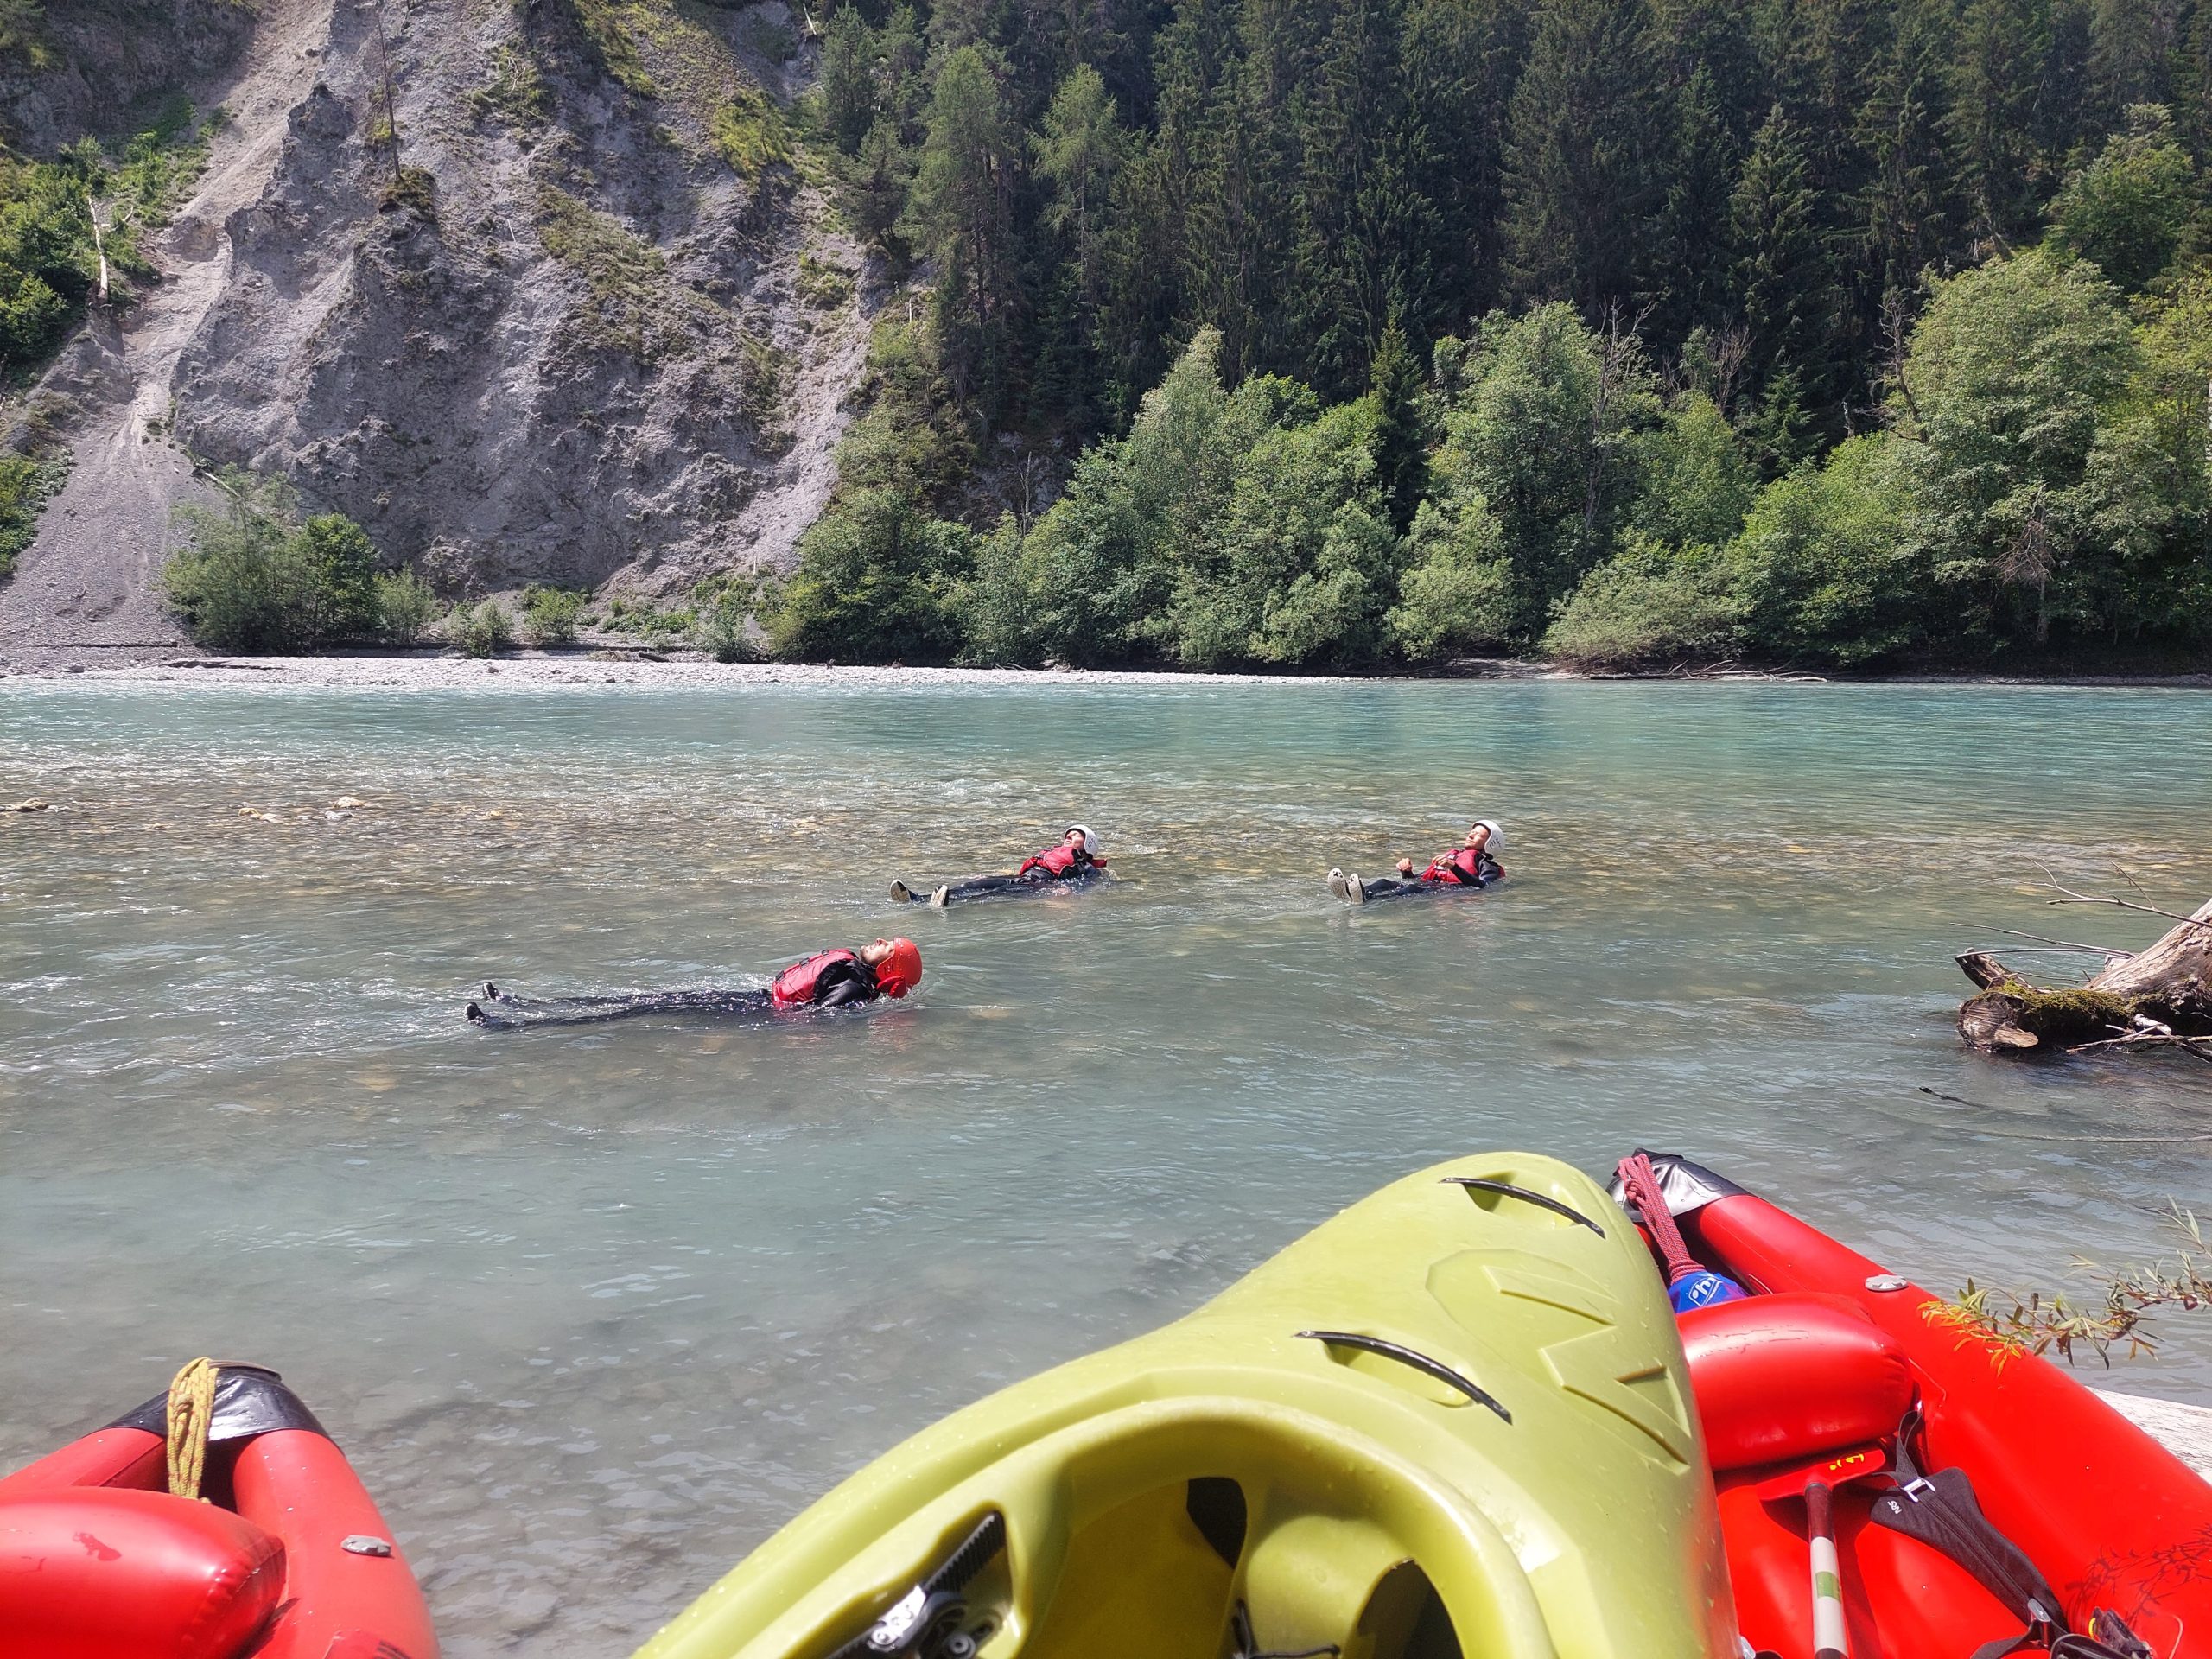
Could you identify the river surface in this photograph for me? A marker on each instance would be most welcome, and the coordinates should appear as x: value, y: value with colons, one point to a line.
x: 595, y: 1311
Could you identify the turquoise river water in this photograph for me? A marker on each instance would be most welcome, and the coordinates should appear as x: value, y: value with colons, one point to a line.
x: 595, y: 1311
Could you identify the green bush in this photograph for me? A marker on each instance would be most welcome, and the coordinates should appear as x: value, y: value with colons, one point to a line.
x: 1696, y: 484
x: 2130, y: 210
x: 644, y: 620
x: 49, y: 267
x: 749, y: 132
x: 1821, y: 563
x: 405, y: 609
x: 1103, y: 574
x: 257, y: 579
x: 1301, y: 565
x: 550, y: 615
x: 724, y: 605
x: 484, y: 632
x: 876, y: 583
x: 1457, y: 593
x: 1646, y: 605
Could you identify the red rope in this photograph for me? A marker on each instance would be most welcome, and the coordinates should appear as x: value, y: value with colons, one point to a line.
x: 1641, y: 1182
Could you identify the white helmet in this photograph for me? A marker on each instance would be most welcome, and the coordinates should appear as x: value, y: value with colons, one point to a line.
x: 1090, y: 841
x: 1497, y: 840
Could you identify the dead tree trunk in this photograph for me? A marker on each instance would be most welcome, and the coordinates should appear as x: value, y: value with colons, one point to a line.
x: 2158, y: 996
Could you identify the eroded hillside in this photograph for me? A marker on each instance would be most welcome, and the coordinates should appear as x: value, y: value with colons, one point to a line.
x: 586, y: 319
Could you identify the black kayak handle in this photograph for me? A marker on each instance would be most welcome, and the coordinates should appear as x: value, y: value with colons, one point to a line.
x: 1412, y: 1357
x: 1506, y: 1189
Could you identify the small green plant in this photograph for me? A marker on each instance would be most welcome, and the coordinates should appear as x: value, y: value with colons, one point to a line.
x: 2015, y: 1324
x: 71, y: 228
x: 605, y: 22
x: 22, y: 38
x: 516, y: 93
x: 415, y: 190
x: 750, y: 132
x: 550, y: 615
x: 27, y: 484
x: 485, y: 630
x: 725, y: 604
x: 642, y: 618
x: 256, y: 578
x: 405, y: 608
x: 822, y: 285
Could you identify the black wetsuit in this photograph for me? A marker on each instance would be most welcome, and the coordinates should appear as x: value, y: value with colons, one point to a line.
x: 1392, y: 886
x: 839, y: 985
x: 1034, y: 880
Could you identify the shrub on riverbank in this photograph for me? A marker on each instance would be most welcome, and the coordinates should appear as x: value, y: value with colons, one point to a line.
x: 726, y: 606
x: 405, y: 609
x: 256, y: 578
x: 550, y: 615
x: 485, y: 630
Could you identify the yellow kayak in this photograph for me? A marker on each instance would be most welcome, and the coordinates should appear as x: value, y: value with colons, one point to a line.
x: 1452, y: 1420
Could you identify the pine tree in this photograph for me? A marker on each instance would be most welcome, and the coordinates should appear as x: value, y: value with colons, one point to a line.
x: 1904, y: 210
x: 1236, y: 260
x: 2134, y: 44
x: 1783, y: 279
x: 1579, y: 185
x: 1363, y: 227
x: 1079, y: 151
x: 1401, y: 431
x: 1998, y: 81
x: 1822, y: 54
x: 1461, y: 59
x: 1148, y: 239
x: 846, y: 86
x: 959, y: 210
x: 1720, y: 38
x: 1692, y: 265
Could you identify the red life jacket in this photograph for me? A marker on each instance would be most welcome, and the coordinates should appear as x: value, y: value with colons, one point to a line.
x: 1462, y: 865
x: 1055, y: 861
x: 794, y: 987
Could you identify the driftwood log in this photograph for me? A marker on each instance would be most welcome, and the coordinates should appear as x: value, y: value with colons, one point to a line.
x: 2158, y: 997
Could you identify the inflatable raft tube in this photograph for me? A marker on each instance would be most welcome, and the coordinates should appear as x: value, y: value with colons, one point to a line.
x: 1454, y: 1421
x: 1831, y: 1366
x: 287, y: 1559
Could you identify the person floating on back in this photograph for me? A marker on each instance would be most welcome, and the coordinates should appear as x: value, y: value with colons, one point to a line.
x: 1075, y: 861
x: 829, y: 979
x: 1472, y: 864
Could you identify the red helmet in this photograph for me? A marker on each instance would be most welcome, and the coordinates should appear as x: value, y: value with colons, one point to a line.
x: 901, y: 971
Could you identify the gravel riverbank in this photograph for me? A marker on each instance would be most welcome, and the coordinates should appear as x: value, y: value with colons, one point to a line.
x: 529, y: 670
x: 435, y: 671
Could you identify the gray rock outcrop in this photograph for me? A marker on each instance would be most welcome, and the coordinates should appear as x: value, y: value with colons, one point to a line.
x: 586, y: 325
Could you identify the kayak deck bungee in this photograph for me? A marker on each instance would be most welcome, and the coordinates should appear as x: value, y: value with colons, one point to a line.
x: 1967, y: 1487
x: 1452, y: 1420
x: 216, y: 1522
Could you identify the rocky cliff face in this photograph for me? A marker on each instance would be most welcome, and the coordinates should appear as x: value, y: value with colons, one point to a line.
x: 102, y: 66
x: 565, y: 333
x: 586, y: 321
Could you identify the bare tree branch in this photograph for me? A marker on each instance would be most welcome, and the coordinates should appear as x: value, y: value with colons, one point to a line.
x: 2124, y: 904
x: 2071, y: 944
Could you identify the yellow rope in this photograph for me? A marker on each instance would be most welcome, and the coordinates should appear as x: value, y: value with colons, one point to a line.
x: 191, y: 1406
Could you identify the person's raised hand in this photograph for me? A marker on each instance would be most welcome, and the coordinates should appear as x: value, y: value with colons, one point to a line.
x: 1405, y: 866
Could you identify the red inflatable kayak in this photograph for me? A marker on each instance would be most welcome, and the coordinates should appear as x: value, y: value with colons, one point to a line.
x: 282, y: 1556
x: 1892, y: 1491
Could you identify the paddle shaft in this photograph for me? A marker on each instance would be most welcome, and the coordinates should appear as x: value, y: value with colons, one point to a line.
x: 1829, y: 1641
